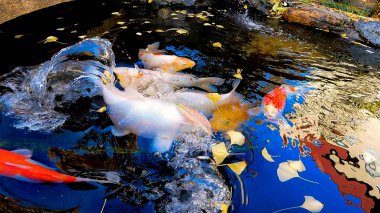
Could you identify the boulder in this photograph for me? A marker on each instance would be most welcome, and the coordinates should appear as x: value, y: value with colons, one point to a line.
x: 369, y: 31
x: 318, y: 17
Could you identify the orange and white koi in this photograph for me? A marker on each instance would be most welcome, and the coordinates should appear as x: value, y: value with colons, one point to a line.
x: 153, y: 58
x: 135, y: 76
x: 203, y: 101
x: 18, y: 164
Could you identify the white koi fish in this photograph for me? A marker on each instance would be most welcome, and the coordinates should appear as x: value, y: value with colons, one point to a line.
x: 143, y: 77
x: 153, y: 58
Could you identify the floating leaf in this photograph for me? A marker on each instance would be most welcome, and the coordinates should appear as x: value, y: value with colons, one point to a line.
x: 236, y: 137
x: 266, y: 155
x: 285, y: 173
x: 102, y: 109
x: 173, y: 14
x: 311, y: 204
x: 219, y: 26
x: 149, y: 31
x: 297, y: 165
x: 229, y: 116
x: 138, y: 33
x: 238, y: 76
x: 207, y: 24
x: 159, y: 31
x: 116, y: 13
x: 217, y: 44
x: 146, y: 22
x: 60, y: 29
x: 150, y: 1
x: 245, y: 6
x: 120, y: 23
x: 82, y: 36
x: 59, y: 18
x: 275, y: 6
x: 50, y: 39
x: 214, y: 97
x: 238, y: 167
x: 123, y: 27
x: 175, y: 18
x: 224, y: 208
x: 344, y: 35
x: 219, y: 152
x: 18, y: 36
x: 74, y: 31
x: 184, y: 12
x: 182, y: 31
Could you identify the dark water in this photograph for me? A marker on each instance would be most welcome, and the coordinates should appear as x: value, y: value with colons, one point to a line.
x: 344, y: 78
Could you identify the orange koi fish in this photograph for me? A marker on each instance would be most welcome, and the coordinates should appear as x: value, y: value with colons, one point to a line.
x: 153, y: 58
x: 18, y: 165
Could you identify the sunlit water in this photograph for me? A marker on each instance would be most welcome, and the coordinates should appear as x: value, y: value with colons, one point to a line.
x: 334, y: 126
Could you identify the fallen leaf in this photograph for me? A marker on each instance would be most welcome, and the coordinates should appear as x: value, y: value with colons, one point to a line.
x: 50, y: 39
x: 60, y: 18
x: 175, y: 18
x: 207, y: 24
x: 219, y: 26
x: 82, y: 36
x: 344, y: 35
x: 74, y: 31
x: 102, y: 109
x: 173, y: 14
x: 150, y: 1
x: 224, y: 208
x: 116, y: 13
x: 120, y: 22
x: 285, y: 173
x: 219, y: 152
x: 297, y: 165
x: 266, y: 155
x: 18, y: 36
x: 146, y: 22
x: 229, y: 116
x: 60, y: 29
x: 245, y: 6
x: 123, y: 27
x: 236, y: 137
x: 275, y: 6
x: 182, y: 31
x: 311, y: 204
x: 159, y: 31
x: 238, y: 167
x: 138, y: 33
x: 214, y: 97
x: 239, y: 76
x: 217, y: 44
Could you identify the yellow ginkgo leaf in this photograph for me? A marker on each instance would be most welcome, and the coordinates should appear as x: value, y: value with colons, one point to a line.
x: 123, y: 27
x: 245, y: 6
x: 74, y: 31
x: 266, y: 155
x: 18, y: 36
x: 238, y: 167
x: 214, y: 97
x: 173, y: 14
x: 224, y: 208
x: 238, y: 71
x: 159, y: 31
x: 82, y: 36
x: 219, y: 26
x: 116, y: 13
x: 60, y: 18
x: 102, y: 109
x: 138, y: 33
x: 207, y: 24
x: 182, y: 31
x: 219, y: 152
x: 150, y: 1
x: 217, y: 44
x: 120, y: 22
x: 50, y: 39
x: 297, y: 165
x: 236, y: 137
x: 239, y: 76
x: 60, y: 29
x: 344, y: 35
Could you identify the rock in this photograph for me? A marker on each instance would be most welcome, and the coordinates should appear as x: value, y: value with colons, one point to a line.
x: 370, y: 31
x: 318, y: 17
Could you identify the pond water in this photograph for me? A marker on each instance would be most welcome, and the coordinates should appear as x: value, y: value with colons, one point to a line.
x: 334, y: 121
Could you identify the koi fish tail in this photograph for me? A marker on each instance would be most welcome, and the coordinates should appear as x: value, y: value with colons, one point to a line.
x: 253, y: 112
x: 209, y: 84
x: 152, y: 48
x: 231, y: 97
x: 283, y: 124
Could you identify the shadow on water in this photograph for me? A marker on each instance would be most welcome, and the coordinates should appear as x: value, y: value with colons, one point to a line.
x: 333, y: 127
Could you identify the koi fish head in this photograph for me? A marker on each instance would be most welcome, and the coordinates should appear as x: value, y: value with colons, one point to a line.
x: 181, y: 63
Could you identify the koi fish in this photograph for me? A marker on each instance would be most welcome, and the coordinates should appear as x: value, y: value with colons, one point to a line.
x: 157, y: 119
x: 143, y: 77
x: 153, y: 58
x: 203, y: 101
x: 18, y: 164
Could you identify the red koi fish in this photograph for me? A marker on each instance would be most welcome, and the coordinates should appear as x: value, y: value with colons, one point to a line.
x: 18, y: 165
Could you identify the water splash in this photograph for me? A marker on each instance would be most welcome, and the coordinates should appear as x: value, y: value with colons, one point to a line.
x: 37, y: 93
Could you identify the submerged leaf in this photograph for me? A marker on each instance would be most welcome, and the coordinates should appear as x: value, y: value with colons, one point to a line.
x: 217, y: 44
x: 238, y: 167
x: 50, y: 39
x: 219, y: 152
x: 266, y: 155
x: 229, y: 116
x: 236, y: 137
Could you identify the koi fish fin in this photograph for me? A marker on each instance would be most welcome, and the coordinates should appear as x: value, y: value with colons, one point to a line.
x: 112, y: 177
x: 208, y: 83
x: 162, y: 144
x: 153, y: 47
x: 118, y: 132
x: 25, y: 179
x: 231, y: 97
x: 24, y: 152
x: 195, y: 117
x: 17, y: 165
x: 133, y: 94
